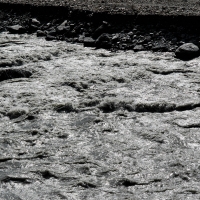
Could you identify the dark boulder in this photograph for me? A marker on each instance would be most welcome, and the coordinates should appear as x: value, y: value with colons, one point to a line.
x: 16, y: 29
x: 89, y: 42
x: 6, y: 74
x: 187, y: 51
x: 103, y: 41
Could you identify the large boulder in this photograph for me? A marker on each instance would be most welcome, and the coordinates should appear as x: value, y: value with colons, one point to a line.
x: 187, y: 51
x: 16, y: 29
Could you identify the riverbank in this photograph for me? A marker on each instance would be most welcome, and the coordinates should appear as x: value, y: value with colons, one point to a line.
x: 101, y: 30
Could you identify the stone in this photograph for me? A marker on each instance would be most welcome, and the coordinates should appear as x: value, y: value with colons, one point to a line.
x: 138, y: 48
x: 40, y: 33
x: 16, y: 29
x: 81, y: 38
x: 35, y: 22
x: 103, y: 41
x: 33, y: 28
x: 187, y: 51
x: 62, y: 27
x: 6, y: 74
x: 160, y: 48
x: 115, y: 38
x: 89, y: 42
x: 52, y: 32
x: 50, y: 37
x: 17, y: 112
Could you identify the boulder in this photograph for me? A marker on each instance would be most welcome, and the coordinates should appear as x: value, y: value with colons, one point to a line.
x: 52, y: 32
x: 50, y: 37
x: 40, y: 33
x: 103, y: 41
x: 16, y: 29
x: 139, y: 48
x: 160, y: 47
x: 187, y: 51
x: 33, y: 28
x: 34, y: 21
x: 89, y: 42
x: 62, y: 27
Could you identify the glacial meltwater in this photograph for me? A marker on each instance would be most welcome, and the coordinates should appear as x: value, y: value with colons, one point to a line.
x: 78, y: 123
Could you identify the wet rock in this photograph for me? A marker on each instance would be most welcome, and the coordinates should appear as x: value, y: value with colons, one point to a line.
x: 103, y: 41
x: 139, y: 48
x: 17, y: 112
x: 16, y: 29
x: 33, y: 28
x: 1, y: 29
x: 81, y: 38
x: 52, y: 32
x: 40, y: 33
x: 50, y: 37
x: 89, y: 42
x: 62, y: 27
x: 187, y: 51
x: 104, y: 28
x: 115, y: 38
x: 35, y: 22
x: 6, y: 74
x: 67, y: 107
x: 160, y: 48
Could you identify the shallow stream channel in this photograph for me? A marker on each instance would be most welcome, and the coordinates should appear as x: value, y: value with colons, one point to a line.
x: 81, y: 124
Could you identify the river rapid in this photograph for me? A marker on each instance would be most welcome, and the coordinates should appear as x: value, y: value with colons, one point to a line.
x: 78, y: 123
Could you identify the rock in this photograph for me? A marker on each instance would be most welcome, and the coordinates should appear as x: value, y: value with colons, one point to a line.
x: 187, y: 51
x: 52, y: 32
x: 160, y: 48
x: 89, y: 42
x: 81, y: 38
x: 103, y: 41
x: 104, y: 28
x: 138, y: 48
x: 34, y: 21
x: 16, y: 29
x: 33, y: 28
x: 1, y: 29
x: 40, y: 33
x: 17, y: 112
x: 62, y: 27
x: 6, y: 74
x: 50, y: 37
x: 115, y: 38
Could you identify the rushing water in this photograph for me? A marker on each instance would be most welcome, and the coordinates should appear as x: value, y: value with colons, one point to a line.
x: 94, y: 124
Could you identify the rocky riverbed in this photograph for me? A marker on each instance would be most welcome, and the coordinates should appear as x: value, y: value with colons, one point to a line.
x: 78, y: 123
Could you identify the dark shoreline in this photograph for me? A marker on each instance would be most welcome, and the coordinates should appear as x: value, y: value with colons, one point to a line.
x: 125, y: 32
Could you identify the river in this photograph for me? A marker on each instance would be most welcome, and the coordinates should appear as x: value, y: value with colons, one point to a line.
x: 79, y: 123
